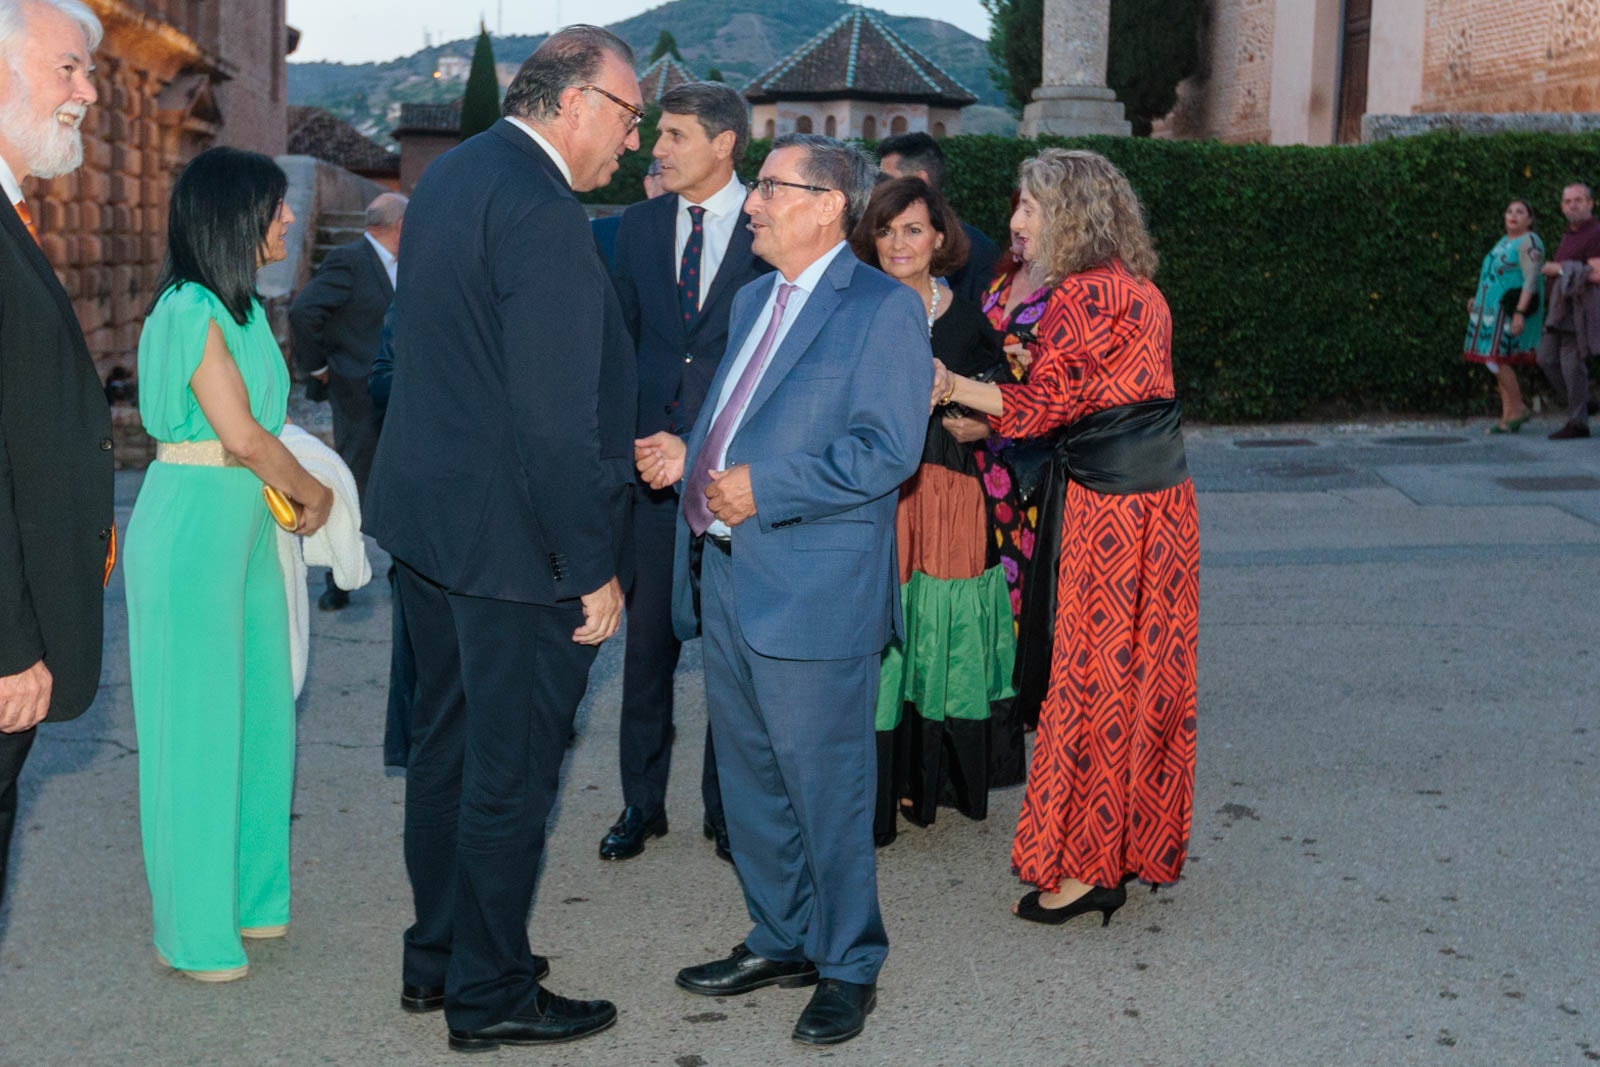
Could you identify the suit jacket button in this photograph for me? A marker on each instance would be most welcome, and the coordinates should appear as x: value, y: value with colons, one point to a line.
x: 105, y: 444
x: 105, y: 535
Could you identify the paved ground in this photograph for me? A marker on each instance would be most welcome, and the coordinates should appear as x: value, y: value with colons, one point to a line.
x: 1394, y: 854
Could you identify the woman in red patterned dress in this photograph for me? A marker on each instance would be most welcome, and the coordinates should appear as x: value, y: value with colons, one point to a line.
x: 1111, y: 787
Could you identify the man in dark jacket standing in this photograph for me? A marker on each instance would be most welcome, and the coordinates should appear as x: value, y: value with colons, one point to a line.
x: 336, y: 321
x: 57, y: 541
x: 502, y: 486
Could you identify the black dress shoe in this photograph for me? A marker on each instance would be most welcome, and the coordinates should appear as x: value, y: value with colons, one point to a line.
x: 718, y: 832
x: 837, y: 1012
x: 418, y: 999
x: 628, y: 834
x: 744, y: 971
x: 333, y: 599
x: 548, y: 1020
x: 1572, y: 431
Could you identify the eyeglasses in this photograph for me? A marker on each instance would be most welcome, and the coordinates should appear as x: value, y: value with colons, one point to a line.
x: 766, y: 187
x: 635, y: 116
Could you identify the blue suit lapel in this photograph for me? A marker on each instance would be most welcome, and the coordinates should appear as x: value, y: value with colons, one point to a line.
x: 819, y: 305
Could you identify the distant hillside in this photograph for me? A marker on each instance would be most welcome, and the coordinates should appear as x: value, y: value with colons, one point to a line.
x: 740, y: 37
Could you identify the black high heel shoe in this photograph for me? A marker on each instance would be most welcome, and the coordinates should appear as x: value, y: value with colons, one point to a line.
x: 1105, y: 901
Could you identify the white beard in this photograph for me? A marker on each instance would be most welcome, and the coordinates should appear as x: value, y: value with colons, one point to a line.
x: 48, y: 149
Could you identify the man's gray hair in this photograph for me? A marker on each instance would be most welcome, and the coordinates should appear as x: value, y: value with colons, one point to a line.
x: 570, y: 56
x: 832, y: 163
x: 11, y: 22
x: 719, y: 108
x: 386, y: 209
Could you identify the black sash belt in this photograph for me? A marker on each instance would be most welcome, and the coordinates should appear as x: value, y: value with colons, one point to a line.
x: 1133, y: 448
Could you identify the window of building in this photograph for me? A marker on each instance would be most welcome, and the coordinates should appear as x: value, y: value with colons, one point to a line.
x: 802, y: 124
x: 897, y: 125
x: 869, y: 128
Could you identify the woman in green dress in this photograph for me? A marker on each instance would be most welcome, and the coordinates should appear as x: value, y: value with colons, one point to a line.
x: 208, y: 628
x: 1506, y: 316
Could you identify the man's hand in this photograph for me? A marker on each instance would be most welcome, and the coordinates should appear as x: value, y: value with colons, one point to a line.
x: 602, y: 611
x: 729, y: 496
x: 659, y: 459
x: 24, y: 698
x: 964, y: 428
x: 321, y: 376
x: 1551, y: 270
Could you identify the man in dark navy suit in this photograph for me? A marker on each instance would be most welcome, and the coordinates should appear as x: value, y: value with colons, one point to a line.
x: 679, y: 260
x: 56, y: 533
x: 337, y: 319
x: 918, y: 155
x: 502, y: 486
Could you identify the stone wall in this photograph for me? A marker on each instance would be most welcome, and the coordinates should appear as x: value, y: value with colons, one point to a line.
x: 1231, y: 98
x: 251, y: 38
x: 1390, y: 127
x: 1489, y: 55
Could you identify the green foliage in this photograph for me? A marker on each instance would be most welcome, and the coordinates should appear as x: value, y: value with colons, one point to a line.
x: 1304, y: 282
x: 714, y: 74
x: 1016, y: 28
x: 627, y: 184
x: 480, y: 104
x: 1154, y: 45
x: 665, y: 45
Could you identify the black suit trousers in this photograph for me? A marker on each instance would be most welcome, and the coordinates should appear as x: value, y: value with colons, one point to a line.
x: 649, y: 662
x: 355, y: 426
x: 498, y: 684
x: 13, y: 751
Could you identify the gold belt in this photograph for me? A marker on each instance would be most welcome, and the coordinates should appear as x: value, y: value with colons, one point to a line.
x: 196, y: 454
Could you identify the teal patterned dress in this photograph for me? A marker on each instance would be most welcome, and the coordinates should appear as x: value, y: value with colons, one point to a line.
x: 1512, y: 263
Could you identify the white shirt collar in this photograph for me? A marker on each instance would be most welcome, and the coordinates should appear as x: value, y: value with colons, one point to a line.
x: 549, y: 149
x: 728, y: 200
x: 385, y: 257
x: 8, y: 182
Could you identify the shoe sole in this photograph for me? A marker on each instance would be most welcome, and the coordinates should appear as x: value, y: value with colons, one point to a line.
x: 231, y: 974
x: 264, y: 933
x: 791, y: 981
x: 489, y: 1044
x: 424, y: 1005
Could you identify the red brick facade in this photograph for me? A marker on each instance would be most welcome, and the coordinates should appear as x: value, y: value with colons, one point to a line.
x: 174, y: 77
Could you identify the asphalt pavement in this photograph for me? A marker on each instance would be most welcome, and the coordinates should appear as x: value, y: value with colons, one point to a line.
x: 1394, y: 855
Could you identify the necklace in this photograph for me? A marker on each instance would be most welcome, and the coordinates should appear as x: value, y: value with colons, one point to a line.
x: 933, y: 309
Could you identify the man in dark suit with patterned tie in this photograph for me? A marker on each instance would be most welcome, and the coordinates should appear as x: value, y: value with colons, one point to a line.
x: 57, y: 541
x: 337, y: 320
x: 679, y: 260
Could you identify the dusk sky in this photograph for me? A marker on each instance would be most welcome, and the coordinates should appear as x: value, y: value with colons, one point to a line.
x: 360, y: 31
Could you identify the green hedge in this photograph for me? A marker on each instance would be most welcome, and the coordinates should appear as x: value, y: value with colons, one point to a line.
x: 1306, y: 282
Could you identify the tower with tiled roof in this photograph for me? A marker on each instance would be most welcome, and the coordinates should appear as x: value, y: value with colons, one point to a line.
x: 662, y: 76
x: 857, y: 78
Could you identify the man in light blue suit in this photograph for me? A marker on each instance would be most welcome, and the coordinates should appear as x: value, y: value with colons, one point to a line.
x: 816, y: 415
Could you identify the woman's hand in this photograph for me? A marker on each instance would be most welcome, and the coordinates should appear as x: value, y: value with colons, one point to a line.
x: 943, y: 384
x: 1019, y: 356
x: 314, y: 513
x: 1472, y: 305
x: 659, y: 459
x: 964, y: 428
x: 1517, y: 323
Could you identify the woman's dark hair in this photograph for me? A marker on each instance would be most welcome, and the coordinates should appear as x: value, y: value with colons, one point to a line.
x: 891, y: 198
x: 222, y: 206
x: 1532, y: 217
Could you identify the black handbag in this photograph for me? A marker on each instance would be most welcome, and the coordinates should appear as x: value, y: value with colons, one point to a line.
x: 1510, y: 298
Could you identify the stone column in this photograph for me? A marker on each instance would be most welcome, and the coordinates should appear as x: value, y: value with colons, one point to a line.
x: 1072, y: 100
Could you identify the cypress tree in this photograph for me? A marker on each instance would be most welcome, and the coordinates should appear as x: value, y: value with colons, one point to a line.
x: 480, y: 105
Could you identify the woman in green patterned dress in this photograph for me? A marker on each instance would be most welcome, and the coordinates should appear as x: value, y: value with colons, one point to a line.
x: 208, y: 627
x: 1506, y: 316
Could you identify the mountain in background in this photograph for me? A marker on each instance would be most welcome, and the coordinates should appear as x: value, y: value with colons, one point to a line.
x: 741, y: 38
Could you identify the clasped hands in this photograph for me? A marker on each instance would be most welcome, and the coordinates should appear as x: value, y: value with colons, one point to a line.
x: 660, y: 458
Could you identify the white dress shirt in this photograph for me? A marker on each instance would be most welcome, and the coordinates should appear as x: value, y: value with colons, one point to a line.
x: 804, y: 284
x: 717, y: 226
x: 390, y: 264
x: 549, y: 149
x: 9, y: 183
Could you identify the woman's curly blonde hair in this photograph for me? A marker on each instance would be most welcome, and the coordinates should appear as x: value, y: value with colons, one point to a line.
x: 1089, y: 214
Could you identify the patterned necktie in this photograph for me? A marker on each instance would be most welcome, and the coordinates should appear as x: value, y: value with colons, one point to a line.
x: 689, y: 266
x: 27, y: 220
x: 694, y: 490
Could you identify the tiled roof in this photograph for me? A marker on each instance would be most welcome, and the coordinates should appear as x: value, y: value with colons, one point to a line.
x: 429, y: 118
x: 858, y: 57
x: 315, y: 132
x: 664, y: 74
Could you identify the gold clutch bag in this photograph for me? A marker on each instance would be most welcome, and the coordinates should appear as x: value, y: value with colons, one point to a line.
x: 282, y: 509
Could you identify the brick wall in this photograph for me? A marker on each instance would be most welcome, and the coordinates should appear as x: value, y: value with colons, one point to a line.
x: 1231, y: 98
x: 1533, y: 55
x: 103, y: 227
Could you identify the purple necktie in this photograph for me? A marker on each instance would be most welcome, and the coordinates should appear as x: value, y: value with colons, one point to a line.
x: 694, y: 491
